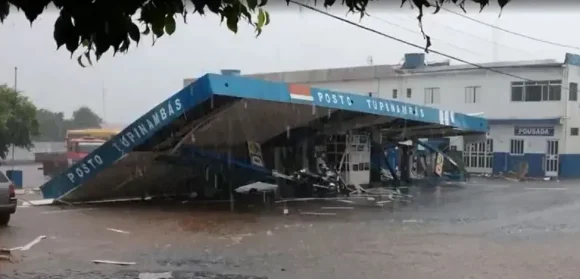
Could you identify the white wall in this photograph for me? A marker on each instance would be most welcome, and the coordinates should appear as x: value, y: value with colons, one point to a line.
x: 503, y: 134
x: 572, y: 110
x: 495, y: 98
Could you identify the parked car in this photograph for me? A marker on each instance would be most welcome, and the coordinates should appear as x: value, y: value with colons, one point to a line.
x: 7, y: 199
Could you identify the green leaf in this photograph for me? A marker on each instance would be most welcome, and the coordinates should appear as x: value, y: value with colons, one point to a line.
x: 267, y: 18
x: 261, y: 19
x: 80, y: 61
x: 158, y: 28
x: 62, y: 30
x: 133, y: 31
x: 252, y: 4
x: 169, y: 25
x: 232, y: 22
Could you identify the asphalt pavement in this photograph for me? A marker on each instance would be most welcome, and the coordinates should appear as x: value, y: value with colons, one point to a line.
x: 483, y: 229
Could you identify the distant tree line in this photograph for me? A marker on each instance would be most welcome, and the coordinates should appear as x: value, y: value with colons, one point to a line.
x: 53, y: 125
x: 21, y: 122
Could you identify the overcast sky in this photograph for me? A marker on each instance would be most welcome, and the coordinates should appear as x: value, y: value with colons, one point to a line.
x: 294, y: 40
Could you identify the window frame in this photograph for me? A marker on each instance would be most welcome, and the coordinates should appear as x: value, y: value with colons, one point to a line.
x: 515, y: 145
x: 472, y: 97
x: 549, y: 91
x: 432, y: 95
x: 573, y: 89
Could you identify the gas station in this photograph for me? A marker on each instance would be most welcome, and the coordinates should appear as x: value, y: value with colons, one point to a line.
x: 222, y: 132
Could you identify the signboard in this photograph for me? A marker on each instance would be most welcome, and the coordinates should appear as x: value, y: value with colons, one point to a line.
x: 255, y: 152
x: 439, y: 164
x: 534, y: 131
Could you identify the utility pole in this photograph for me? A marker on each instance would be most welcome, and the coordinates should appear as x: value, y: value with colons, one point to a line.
x: 16, y: 90
x: 104, y: 101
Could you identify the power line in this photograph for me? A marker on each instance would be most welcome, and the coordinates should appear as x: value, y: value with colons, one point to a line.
x: 406, y: 42
x: 419, y: 33
x: 511, y: 32
x: 477, y: 37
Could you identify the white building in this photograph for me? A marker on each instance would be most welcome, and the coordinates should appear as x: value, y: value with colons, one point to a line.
x: 532, y: 106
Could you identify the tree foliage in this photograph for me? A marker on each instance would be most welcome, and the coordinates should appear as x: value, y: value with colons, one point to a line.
x: 97, y: 26
x: 53, y: 125
x: 18, y: 122
x: 84, y: 118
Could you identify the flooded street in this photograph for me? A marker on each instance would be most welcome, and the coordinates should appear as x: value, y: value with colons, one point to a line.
x: 485, y: 229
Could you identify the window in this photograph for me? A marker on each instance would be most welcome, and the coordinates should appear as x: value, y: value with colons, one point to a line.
x: 536, y: 91
x: 573, y: 131
x: 409, y: 93
x: 517, y: 147
x: 395, y: 93
x: 472, y: 94
x: 573, y: 94
x: 478, y: 155
x: 432, y: 95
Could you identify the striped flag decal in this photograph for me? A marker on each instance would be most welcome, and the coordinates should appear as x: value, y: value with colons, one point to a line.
x: 300, y: 92
x: 446, y: 117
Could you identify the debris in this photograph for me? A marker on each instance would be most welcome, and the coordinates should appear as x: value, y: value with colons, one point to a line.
x: 5, y: 254
x: 30, y: 244
x: 382, y: 202
x: 66, y: 210
x: 346, y: 201
x: 285, y: 211
x: 237, y: 239
x: 113, y: 262
x: 147, y: 275
x: 337, y: 208
x: 547, y: 188
x: 319, y: 213
x: 37, y: 202
x: 269, y: 233
x: 119, y: 231
x: 414, y: 221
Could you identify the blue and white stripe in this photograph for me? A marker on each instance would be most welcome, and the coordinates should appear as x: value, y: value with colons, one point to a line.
x: 446, y: 117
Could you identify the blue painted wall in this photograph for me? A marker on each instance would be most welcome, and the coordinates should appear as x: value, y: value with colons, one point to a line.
x: 570, y: 165
x: 504, y: 162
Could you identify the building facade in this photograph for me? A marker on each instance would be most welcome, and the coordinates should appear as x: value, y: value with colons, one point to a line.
x: 532, y: 106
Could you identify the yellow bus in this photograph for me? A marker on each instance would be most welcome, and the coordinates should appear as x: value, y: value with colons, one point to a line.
x: 104, y: 134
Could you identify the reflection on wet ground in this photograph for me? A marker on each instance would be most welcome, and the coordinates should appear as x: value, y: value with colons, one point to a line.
x: 483, y: 229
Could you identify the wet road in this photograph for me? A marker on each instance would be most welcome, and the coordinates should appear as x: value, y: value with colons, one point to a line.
x: 494, y: 229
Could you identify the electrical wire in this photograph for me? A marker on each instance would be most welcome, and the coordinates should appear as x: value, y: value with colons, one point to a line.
x: 406, y: 42
x: 475, y: 37
x: 511, y: 32
x: 419, y: 33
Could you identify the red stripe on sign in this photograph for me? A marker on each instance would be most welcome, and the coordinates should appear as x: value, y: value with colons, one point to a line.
x: 299, y: 89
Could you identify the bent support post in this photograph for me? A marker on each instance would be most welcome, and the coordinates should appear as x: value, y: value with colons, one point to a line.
x: 384, y: 160
x: 436, y: 150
